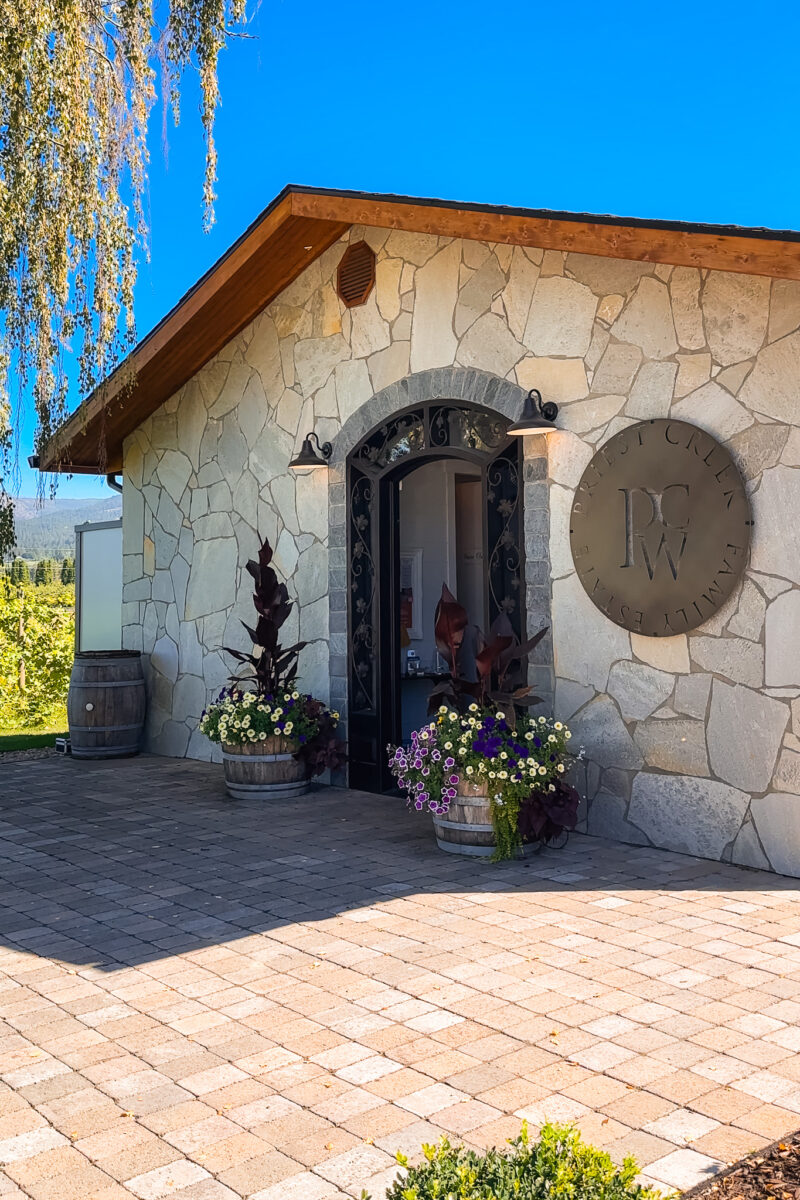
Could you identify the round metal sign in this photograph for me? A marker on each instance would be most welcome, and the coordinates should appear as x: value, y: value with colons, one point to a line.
x: 660, y: 527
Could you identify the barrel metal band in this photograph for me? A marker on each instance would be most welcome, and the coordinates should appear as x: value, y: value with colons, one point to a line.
x: 115, y: 683
x: 259, y: 758
x: 73, y: 728
x: 463, y: 827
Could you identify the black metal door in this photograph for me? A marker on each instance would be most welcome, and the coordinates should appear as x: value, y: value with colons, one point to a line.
x: 504, y: 537
x: 374, y: 701
x: 375, y: 468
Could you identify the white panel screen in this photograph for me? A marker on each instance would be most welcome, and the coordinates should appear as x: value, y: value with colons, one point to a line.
x: 99, y: 587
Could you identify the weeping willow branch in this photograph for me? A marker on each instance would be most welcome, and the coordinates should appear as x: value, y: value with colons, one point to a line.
x: 77, y: 87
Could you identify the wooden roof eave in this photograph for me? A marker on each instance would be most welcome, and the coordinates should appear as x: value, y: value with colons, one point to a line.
x: 301, y: 224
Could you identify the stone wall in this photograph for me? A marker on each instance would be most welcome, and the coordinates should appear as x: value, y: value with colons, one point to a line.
x: 691, y: 742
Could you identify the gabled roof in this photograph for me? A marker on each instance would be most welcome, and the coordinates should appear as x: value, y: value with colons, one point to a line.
x: 301, y: 223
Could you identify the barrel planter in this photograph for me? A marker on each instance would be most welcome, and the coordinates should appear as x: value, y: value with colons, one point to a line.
x: 265, y: 770
x: 106, y: 704
x: 466, y: 827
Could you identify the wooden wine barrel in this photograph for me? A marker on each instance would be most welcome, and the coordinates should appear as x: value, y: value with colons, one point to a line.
x: 265, y: 770
x: 106, y: 704
x: 466, y: 827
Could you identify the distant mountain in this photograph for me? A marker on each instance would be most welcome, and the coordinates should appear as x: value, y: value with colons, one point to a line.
x: 47, y: 530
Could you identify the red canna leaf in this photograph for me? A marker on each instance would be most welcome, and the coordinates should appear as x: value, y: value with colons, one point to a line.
x: 450, y: 622
x: 490, y: 655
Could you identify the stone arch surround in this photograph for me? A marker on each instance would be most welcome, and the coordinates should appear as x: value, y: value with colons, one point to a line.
x: 441, y: 383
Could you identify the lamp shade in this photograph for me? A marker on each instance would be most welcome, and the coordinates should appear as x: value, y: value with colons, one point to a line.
x: 537, y: 417
x: 308, y: 458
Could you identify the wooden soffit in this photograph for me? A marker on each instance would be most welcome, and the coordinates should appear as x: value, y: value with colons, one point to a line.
x: 301, y: 224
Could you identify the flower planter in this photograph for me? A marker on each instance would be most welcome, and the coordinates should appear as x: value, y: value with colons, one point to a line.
x: 264, y: 770
x: 466, y: 827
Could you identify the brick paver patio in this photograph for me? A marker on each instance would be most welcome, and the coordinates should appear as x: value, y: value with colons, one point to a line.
x: 209, y: 999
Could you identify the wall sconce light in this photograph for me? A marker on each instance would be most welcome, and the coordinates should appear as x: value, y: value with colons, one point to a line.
x: 537, y: 416
x: 308, y: 458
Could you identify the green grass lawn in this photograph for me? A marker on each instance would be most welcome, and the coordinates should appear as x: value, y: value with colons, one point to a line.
x: 19, y: 739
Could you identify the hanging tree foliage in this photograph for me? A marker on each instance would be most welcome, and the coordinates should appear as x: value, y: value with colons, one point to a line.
x: 77, y: 86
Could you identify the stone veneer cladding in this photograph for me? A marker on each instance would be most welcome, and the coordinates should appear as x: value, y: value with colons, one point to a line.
x: 691, y: 742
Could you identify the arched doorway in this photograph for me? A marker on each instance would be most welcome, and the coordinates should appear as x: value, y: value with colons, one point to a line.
x: 457, y: 432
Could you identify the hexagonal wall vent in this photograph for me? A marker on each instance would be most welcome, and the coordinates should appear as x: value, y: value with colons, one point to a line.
x: 356, y: 276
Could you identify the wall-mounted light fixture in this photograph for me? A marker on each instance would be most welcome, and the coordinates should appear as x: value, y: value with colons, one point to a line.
x: 537, y: 416
x: 308, y: 458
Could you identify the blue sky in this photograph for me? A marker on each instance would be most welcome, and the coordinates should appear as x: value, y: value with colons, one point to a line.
x: 684, y: 111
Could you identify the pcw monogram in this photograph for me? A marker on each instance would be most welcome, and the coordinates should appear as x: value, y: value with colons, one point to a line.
x: 636, y: 527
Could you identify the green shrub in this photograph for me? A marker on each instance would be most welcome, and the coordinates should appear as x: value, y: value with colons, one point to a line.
x: 557, y: 1167
x: 37, y: 644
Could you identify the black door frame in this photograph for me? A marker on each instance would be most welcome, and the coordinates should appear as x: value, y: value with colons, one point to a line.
x: 424, y: 433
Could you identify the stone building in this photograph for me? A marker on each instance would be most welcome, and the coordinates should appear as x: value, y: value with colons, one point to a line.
x: 692, y: 741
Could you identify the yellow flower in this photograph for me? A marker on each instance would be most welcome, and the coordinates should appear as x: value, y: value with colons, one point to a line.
x: 552, y: 737
x: 470, y: 770
x: 288, y: 727
x: 442, y: 708
x: 542, y: 720
x: 558, y: 725
x: 335, y: 716
x: 501, y: 716
x: 453, y: 716
x: 503, y: 774
x: 560, y: 768
x: 542, y: 771
x: 448, y: 745
x: 473, y: 707
x: 567, y: 733
x: 503, y: 754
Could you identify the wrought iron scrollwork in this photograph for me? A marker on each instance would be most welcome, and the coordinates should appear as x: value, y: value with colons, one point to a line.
x: 398, y: 438
x: 467, y: 429
x: 436, y: 429
x: 505, y: 540
x: 363, y: 634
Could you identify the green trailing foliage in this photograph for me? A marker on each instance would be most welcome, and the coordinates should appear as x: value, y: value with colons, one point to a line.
x: 77, y: 87
x: 37, y: 645
x: 559, y: 1166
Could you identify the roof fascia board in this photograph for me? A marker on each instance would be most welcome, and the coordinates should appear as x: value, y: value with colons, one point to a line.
x: 722, y: 248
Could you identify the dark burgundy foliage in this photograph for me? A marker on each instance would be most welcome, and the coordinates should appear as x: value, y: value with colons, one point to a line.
x: 498, y: 662
x: 325, y: 752
x: 273, y: 667
x: 500, y: 684
x: 546, y: 814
